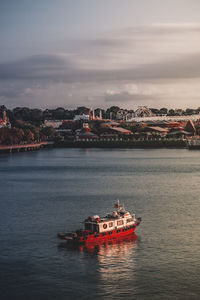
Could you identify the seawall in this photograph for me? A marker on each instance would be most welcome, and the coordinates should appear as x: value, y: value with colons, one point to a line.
x: 124, y: 144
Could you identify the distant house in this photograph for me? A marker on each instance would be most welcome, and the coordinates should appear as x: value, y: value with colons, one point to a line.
x: 121, y: 130
x: 178, y: 134
x: 155, y: 129
x: 108, y: 136
x: 82, y: 117
x: 175, y: 124
x: 85, y: 134
x: 53, y: 123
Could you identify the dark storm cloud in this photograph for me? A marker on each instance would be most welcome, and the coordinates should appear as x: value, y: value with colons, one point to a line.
x: 35, y: 67
x: 58, y: 68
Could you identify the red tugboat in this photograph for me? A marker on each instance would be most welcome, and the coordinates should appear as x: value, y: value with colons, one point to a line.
x: 119, y: 223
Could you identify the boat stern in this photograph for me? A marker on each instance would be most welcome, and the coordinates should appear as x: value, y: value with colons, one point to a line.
x: 138, y: 221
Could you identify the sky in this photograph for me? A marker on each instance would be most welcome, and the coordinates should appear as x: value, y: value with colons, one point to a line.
x: 100, y: 53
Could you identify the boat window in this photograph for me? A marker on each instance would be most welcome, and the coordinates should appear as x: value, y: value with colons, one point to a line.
x: 105, y: 226
x: 120, y: 222
x: 119, y: 230
x: 129, y: 220
x: 110, y: 232
x: 96, y: 235
x: 103, y: 234
x: 111, y: 224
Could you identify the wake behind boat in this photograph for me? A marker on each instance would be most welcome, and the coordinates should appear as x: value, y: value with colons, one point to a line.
x: 119, y: 223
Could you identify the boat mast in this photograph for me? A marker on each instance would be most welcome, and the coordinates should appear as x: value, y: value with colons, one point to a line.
x: 118, y: 205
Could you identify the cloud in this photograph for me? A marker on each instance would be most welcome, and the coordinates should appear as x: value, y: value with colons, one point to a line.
x: 137, y: 53
x: 160, y: 29
x: 187, y: 66
x: 52, y: 68
x: 36, y: 67
x: 156, y: 55
x: 128, y: 97
x: 9, y: 92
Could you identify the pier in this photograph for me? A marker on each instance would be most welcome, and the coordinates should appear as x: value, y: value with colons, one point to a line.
x: 24, y: 147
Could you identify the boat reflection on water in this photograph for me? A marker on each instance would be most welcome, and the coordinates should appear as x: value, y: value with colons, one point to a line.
x: 105, y: 264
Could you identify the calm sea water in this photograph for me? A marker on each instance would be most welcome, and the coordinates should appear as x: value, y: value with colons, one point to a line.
x: 50, y: 191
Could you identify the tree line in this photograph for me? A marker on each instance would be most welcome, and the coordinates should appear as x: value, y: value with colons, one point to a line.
x: 37, y: 116
x: 15, y: 135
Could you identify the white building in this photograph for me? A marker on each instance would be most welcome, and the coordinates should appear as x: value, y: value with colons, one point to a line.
x: 53, y: 123
x: 82, y: 117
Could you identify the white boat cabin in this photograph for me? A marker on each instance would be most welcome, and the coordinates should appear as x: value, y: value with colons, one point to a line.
x: 118, y: 219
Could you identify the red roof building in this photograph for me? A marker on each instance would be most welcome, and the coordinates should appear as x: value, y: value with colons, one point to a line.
x: 121, y: 130
x: 85, y: 134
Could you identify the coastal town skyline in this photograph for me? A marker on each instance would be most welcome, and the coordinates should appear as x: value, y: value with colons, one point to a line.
x: 100, y: 53
x: 99, y: 133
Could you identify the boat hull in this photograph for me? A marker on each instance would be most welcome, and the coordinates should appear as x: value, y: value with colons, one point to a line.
x: 98, y: 237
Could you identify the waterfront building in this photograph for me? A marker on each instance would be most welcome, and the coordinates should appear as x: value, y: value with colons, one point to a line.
x: 121, y: 130
x: 106, y: 136
x: 85, y: 134
x: 178, y: 134
x: 156, y: 129
x: 53, y: 123
x: 82, y: 117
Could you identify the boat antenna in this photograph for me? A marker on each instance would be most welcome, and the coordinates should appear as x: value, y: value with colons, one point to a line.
x: 118, y: 205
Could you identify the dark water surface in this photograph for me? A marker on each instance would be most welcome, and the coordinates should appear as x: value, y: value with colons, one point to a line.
x: 53, y: 190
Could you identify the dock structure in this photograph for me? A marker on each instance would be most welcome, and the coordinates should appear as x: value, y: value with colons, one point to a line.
x: 24, y: 147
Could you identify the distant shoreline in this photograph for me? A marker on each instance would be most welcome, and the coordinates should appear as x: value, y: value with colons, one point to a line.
x: 131, y: 144
x: 124, y: 144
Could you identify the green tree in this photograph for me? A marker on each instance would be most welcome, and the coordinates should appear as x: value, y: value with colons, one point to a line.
x: 4, y: 133
x: 171, y: 112
x: 48, y: 133
x: 82, y: 110
x: 28, y: 135
x: 163, y: 111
